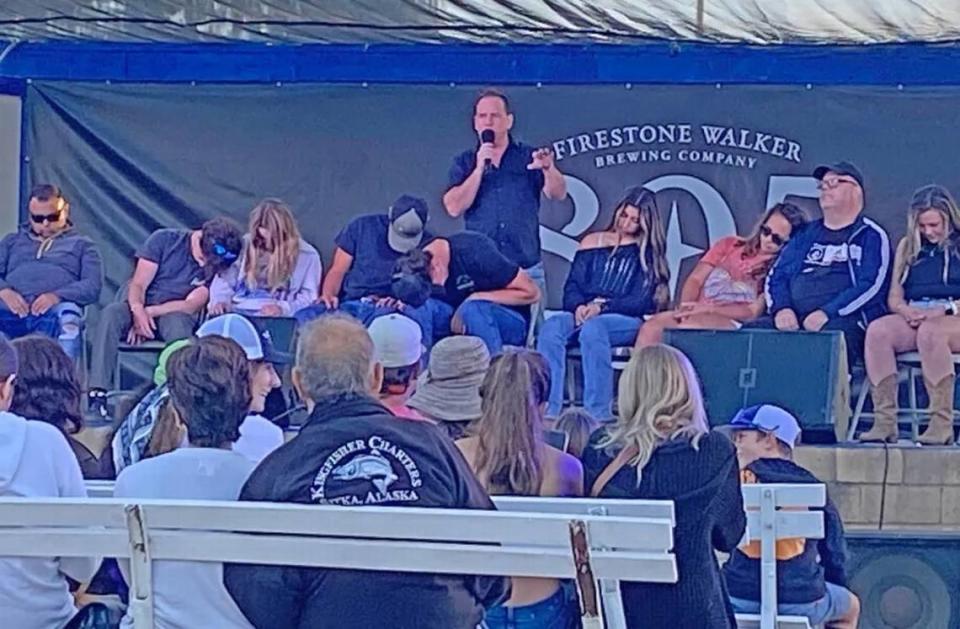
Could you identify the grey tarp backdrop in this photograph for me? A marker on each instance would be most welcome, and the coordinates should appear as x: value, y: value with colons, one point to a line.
x: 136, y: 157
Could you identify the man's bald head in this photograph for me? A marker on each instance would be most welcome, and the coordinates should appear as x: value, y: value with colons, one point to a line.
x: 335, y: 357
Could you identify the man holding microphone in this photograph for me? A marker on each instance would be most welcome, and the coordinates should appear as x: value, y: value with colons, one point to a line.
x: 496, y: 187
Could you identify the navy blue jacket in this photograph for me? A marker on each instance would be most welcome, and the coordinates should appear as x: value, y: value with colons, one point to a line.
x: 800, y: 579
x: 869, y: 280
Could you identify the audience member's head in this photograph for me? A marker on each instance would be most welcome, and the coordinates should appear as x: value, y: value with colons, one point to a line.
x: 257, y: 347
x: 9, y: 364
x: 841, y: 188
x: 398, y: 347
x: 412, y: 283
x: 933, y: 217
x: 49, y: 210
x: 47, y: 389
x: 449, y: 390
x: 774, y: 229
x: 510, y: 430
x: 274, y: 244
x: 578, y: 425
x: 763, y: 431
x: 659, y: 399
x: 335, y: 357
x: 209, y: 382
x: 221, y: 241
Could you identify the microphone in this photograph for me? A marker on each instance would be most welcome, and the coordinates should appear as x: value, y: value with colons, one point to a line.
x: 486, y: 137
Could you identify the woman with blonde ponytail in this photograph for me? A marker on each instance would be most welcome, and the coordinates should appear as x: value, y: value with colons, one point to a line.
x: 508, y: 454
x: 660, y: 448
x: 618, y: 276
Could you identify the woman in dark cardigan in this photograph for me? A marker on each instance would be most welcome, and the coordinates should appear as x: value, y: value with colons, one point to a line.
x: 661, y: 449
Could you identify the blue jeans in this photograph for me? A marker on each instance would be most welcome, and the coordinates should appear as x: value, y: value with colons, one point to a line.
x: 62, y: 322
x: 433, y: 317
x: 597, y: 337
x: 539, y: 277
x: 835, y: 603
x: 554, y: 612
x: 495, y: 324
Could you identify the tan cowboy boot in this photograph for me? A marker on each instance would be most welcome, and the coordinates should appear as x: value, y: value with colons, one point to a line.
x: 939, y: 431
x: 884, y: 426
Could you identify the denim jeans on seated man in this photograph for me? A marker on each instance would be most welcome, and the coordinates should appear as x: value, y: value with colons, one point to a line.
x: 495, y: 324
x: 61, y: 322
x: 433, y: 316
x: 597, y: 337
x: 835, y: 604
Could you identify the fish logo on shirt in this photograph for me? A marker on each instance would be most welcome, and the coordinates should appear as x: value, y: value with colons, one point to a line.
x: 373, y: 467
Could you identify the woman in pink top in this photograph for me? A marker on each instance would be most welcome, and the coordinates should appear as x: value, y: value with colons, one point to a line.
x: 723, y: 290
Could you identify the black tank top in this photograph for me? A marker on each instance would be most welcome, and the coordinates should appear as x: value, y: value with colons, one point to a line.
x: 926, y: 277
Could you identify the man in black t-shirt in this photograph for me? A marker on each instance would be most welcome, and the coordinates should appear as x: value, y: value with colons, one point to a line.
x: 165, y: 296
x: 496, y: 185
x: 491, y: 294
x: 359, y: 281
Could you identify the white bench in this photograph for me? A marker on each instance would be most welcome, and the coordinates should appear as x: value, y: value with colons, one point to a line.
x: 768, y: 520
x: 588, y: 548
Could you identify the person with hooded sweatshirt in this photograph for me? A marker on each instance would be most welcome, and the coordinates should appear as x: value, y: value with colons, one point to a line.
x: 48, y: 273
x: 661, y: 449
x: 35, y: 462
x: 811, y: 574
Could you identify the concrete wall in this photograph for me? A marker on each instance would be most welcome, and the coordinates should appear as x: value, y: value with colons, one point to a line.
x: 922, y: 489
x: 9, y: 162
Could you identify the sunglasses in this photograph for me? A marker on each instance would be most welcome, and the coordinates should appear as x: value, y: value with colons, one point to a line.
x: 777, y: 239
x: 40, y: 219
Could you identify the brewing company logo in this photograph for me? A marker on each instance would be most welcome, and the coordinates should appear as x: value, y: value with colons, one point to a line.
x: 680, y: 142
x: 367, y: 472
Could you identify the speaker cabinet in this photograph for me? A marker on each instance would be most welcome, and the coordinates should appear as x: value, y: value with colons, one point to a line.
x: 795, y: 370
x: 906, y: 580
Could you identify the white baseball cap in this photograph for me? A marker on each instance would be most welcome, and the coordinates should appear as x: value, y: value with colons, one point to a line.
x: 768, y: 419
x: 397, y: 340
x: 256, y: 344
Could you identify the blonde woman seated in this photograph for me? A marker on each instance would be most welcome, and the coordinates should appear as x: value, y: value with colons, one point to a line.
x: 724, y: 290
x: 926, y: 283
x: 661, y: 449
x: 509, y: 457
x: 278, y: 272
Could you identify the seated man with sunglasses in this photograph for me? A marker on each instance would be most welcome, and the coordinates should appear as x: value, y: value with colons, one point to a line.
x: 834, y: 274
x: 48, y: 273
x: 164, y: 299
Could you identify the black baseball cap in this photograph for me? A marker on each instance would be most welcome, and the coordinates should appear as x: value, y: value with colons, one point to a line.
x: 839, y: 168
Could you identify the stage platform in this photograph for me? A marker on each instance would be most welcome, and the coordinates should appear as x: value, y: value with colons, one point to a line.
x: 902, y: 486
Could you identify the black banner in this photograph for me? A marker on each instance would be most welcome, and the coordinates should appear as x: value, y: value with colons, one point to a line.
x: 136, y: 157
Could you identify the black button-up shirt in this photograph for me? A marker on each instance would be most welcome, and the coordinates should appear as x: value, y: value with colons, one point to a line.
x: 507, y: 204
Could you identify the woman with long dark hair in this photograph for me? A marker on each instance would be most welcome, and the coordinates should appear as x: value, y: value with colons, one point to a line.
x: 723, y: 290
x: 618, y: 276
x: 923, y: 302
x: 48, y: 391
x: 508, y: 454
